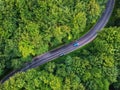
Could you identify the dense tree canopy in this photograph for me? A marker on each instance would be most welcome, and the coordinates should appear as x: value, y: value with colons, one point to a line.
x: 30, y: 28
x: 93, y: 67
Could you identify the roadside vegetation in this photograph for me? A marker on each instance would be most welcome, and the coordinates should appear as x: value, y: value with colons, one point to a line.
x: 93, y: 67
x: 30, y: 28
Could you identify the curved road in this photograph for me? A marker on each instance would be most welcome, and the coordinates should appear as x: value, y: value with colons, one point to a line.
x: 53, y: 54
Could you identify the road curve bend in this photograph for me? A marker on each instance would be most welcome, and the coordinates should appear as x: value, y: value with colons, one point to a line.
x: 63, y: 50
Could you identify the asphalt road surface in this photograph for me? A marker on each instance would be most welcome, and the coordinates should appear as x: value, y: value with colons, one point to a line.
x: 63, y: 50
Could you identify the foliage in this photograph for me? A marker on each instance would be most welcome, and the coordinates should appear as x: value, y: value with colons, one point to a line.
x: 115, y: 18
x: 93, y: 67
x: 30, y: 28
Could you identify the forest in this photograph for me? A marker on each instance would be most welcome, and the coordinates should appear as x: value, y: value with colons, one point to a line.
x: 32, y: 27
